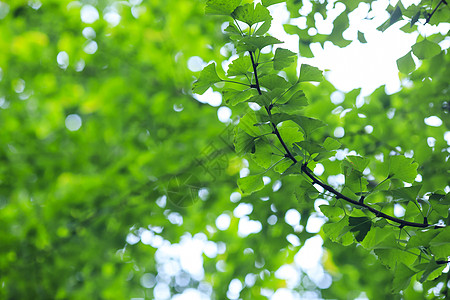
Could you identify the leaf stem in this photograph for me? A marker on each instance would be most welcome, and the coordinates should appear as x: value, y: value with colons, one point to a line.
x: 231, y: 81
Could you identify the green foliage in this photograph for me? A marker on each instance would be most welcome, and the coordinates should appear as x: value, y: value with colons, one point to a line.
x: 361, y: 211
x: 426, y: 49
x: 115, y: 180
x: 207, y: 78
x: 406, y: 63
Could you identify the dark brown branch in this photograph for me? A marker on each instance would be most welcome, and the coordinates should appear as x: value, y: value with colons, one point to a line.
x: 434, y: 10
x: 377, y: 213
x: 275, y: 129
x: 326, y: 187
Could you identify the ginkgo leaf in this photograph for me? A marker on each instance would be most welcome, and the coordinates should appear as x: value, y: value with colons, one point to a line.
x: 232, y: 29
x: 295, y: 103
x: 333, y: 213
x: 405, y: 64
x: 310, y: 73
x: 432, y: 270
x: 263, y: 155
x: 331, y: 144
x: 426, y: 49
x: 402, y: 277
x: 250, y: 184
x: 273, y: 81
x: 248, y: 123
x: 233, y: 97
x: 243, y: 142
x: 221, y: 7
x: 251, y: 14
x: 271, y: 2
x: 359, y: 226
x: 391, y: 257
x: 361, y: 38
x: 283, y: 58
x: 263, y: 28
x: 407, y: 193
x: 396, y: 15
x: 402, y: 168
x: 307, y: 124
x: 207, y: 78
x: 253, y: 43
x: 239, y: 66
x: 440, y: 245
x: 358, y: 162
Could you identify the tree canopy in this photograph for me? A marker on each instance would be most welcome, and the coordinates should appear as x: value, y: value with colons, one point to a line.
x: 170, y: 149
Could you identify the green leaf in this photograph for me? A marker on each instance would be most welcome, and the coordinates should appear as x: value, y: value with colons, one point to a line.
x: 248, y: 124
x: 263, y: 28
x: 309, y: 146
x: 402, y: 277
x: 251, y: 14
x: 233, y: 97
x: 376, y: 237
x: 290, y: 134
x: 426, y: 49
x: 308, y: 125
x: 359, y: 226
x: 250, y: 184
x: 283, y: 166
x: 232, y: 29
x: 432, y: 270
x: 339, y: 231
x: 440, y: 245
x: 263, y: 100
x: 415, y: 18
x: 421, y: 239
x: 361, y: 38
x: 239, y: 66
x: 440, y: 204
x: 393, y: 257
x: 295, y: 104
x: 207, y: 78
x: 283, y: 58
x: 273, y: 81
x: 310, y: 73
x: 340, y: 24
x: 268, y: 3
x: 253, y: 43
x: 333, y: 213
x: 331, y: 144
x: 402, y: 168
x: 243, y: 143
x: 395, y: 17
x: 354, y: 179
x: 221, y: 7
x: 406, y: 64
x: 407, y: 193
x: 358, y: 162
x: 263, y: 155
x: 293, y: 169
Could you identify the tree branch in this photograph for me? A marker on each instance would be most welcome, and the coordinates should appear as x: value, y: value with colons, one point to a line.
x: 377, y: 213
x: 326, y: 187
x: 434, y: 10
x: 274, y: 126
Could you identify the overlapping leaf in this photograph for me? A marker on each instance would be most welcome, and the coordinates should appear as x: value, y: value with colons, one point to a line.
x: 207, y: 78
x: 251, y: 14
